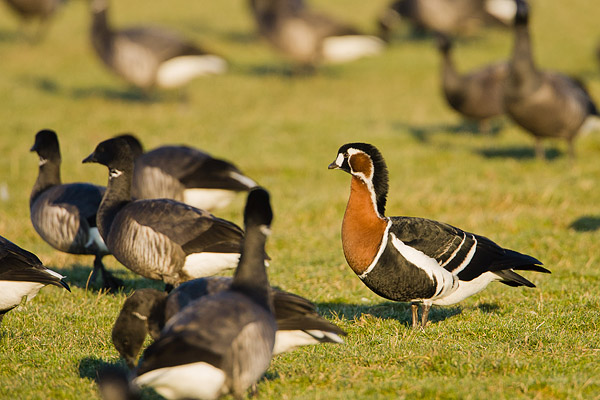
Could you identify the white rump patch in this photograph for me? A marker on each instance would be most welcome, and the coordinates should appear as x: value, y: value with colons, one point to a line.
x: 95, y: 238
x: 590, y: 124
x: 199, y: 265
x: 208, y: 199
x: 289, y: 340
x: 467, y: 288
x: 189, y: 381
x: 13, y: 292
x: 504, y: 10
x: 180, y: 70
x: 338, y: 49
x: 244, y: 180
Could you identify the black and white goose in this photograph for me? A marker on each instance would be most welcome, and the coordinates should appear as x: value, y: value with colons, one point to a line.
x: 221, y: 343
x: 546, y: 104
x: 185, y: 174
x: 147, y: 310
x: 310, y: 38
x: 414, y: 259
x: 160, y: 239
x: 22, y: 275
x: 150, y: 57
x: 64, y: 215
x: 477, y: 95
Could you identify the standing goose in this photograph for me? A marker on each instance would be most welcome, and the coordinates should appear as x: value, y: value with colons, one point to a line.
x: 415, y: 259
x: 147, y: 310
x: 22, y: 274
x: 28, y: 10
x: 149, y: 57
x: 478, y: 95
x: 185, y: 174
x: 547, y: 104
x: 64, y: 215
x: 221, y: 343
x: 310, y: 38
x: 160, y: 238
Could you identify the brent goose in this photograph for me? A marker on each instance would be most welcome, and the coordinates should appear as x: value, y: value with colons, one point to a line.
x: 185, y: 174
x: 414, y: 259
x: 22, y: 275
x: 29, y: 10
x: 160, y: 239
x: 64, y: 215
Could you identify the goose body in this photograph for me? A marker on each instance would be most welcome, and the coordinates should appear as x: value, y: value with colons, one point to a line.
x: 310, y: 38
x: 146, y: 311
x: 221, y: 343
x: 415, y: 259
x: 185, y: 174
x: 22, y: 274
x: 479, y: 94
x: 150, y: 57
x: 547, y: 104
x: 160, y: 239
x: 64, y: 215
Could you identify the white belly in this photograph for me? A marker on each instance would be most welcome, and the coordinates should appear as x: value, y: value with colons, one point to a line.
x: 467, y: 288
x: 208, y: 199
x: 12, y: 292
x: 207, y: 264
x: 338, y: 49
x: 180, y: 70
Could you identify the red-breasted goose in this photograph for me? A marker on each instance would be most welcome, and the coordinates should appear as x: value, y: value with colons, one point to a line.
x: 415, y: 259
x: 159, y: 238
x: 150, y: 57
x: 22, y: 274
x: 185, y: 174
x: 147, y: 310
x: 546, y: 104
x: 479, y: 94
x: 64, y: 215
x: 310, y: 38
x: 221, y: 343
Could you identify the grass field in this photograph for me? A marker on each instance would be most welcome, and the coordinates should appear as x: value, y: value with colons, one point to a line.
x: 504, y: 343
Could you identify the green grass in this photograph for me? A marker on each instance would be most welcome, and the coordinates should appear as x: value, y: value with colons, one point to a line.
x: 283, y: 131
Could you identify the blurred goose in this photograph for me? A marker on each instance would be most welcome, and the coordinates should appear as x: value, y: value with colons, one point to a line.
x: 64, y: 215
x: 221, y: 343
x: 29, y: 10
x: 150, y: 57
x: 160, y: 239
x: 185, y: 174
x: 477, y: 95
x: 415, y: 259
x: 310, y: 38
x: 546, y: 104
x: 147, y: 310
x: 22, y: 275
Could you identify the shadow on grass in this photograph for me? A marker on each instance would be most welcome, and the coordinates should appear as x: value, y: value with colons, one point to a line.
x: 401, y: 312
x: 587, y: 223
x: 518, y: 153
x: 424, y: 132
x: 488, y: 308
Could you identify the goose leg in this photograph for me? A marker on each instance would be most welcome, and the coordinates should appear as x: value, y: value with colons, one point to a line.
x: 109, y: 282
x: 540, y: 154
x: 425, y: 315
x: 415, y: 314
x: 571, y: 150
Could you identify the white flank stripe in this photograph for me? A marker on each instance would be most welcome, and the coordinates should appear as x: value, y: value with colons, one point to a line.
x: 208, y: 199
x: 467, y: 288
x: 504, y: 10
x: 180, y: 70
x: 199, y: 265
x: 468, y: 258
x: 243, y: 179
x: 455, y: 251
x: 379, y: 253
x: 338, y: 49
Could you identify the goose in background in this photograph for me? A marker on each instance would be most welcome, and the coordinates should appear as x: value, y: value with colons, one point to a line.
x: 159, y: 239
x: 546, y: 104
x: 29, y: 10
x: 221, y: 343
x: 22, y: 275
x: 64, y: 215
x: 147, y: 311
x: 477, y: 95
x: 412, y: 259
x: 185, y: 174
x: 150, y: 57
x: 309, y: 38
x: 449, y: 17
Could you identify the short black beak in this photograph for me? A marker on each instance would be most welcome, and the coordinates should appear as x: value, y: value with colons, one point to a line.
x: 33, y: 148
x: 90, y: 158
x: 333, y: 165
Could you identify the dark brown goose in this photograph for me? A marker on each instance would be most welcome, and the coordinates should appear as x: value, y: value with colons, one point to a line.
x: 546, y: 104
x: 185, y: 174
x: 149, y: 57
x: 64, y: 215
x: 30, y: 10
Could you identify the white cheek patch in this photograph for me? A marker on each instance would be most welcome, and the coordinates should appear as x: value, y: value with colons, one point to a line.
x: 339, y: 160
x: 115, y: 173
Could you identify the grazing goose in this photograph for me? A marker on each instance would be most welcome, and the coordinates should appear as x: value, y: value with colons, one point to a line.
x: 415, y: 259
x: 28, y: 10
x: 149, y: 57
x: 64, y: 215
x: 22, y: 274
x: 546, y: 104
x: 185, y: 174
x: 478, y: 95
x: 160, y: 239
x: 147, y: 311
x: 221, y: 343
x: 310, y: 38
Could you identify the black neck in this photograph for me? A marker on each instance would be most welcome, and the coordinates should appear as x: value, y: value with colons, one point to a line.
x: 101, y: 34
x: 522, y: 64
x: 117, y: 195
x: 48, y: 176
